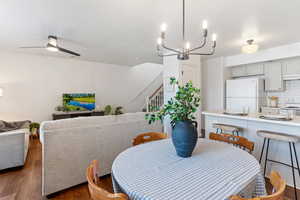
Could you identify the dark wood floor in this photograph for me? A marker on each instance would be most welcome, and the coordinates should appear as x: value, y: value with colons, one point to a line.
x: 25, y: 183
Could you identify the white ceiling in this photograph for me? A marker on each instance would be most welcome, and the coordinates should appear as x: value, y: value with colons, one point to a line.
x: 125, y: 31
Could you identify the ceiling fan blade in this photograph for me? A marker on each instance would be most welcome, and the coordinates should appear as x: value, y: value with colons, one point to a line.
x: 68, y: 51
x: 33, y: 47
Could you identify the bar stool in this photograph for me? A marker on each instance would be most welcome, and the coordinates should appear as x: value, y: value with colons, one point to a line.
x: 225, y: 128
x: 291, y: 139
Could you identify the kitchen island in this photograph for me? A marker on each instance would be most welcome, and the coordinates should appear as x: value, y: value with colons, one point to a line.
x: 251, y: 124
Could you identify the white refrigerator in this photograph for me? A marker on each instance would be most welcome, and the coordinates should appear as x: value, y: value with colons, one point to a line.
x: 245, y: 95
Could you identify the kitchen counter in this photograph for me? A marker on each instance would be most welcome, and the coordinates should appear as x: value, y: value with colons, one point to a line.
x: 250, y: 125
x: 255, y: 117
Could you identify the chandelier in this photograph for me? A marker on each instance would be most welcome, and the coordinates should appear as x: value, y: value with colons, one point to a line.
x: 185, y: 51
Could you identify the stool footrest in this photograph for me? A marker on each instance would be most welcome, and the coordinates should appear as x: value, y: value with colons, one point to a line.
x: 275, y: 161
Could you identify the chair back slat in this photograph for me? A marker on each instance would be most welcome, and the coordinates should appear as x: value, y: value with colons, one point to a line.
x: 278, y: 184
x: 96, y: 191
x: 148, y: 137
x: 239, y: 141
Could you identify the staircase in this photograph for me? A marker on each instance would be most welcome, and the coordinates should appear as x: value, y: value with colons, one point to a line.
x: 156, y: 100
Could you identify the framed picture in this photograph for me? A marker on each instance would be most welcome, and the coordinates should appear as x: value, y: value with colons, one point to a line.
x: 79, y: 102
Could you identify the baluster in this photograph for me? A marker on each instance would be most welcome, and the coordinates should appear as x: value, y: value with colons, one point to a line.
x: 159, y: 100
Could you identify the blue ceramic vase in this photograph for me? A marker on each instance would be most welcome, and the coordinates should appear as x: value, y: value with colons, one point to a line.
x: 185, y: 137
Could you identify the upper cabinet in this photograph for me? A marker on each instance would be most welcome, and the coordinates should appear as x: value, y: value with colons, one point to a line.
x: 238, y: 71
x: 291, y: 66
x: 247, y: 70
x: 255, y: 69
x: 274, y: 72
x: 273, y: 76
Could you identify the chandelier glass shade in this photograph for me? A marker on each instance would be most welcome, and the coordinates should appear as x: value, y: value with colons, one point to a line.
x: 186, y: 50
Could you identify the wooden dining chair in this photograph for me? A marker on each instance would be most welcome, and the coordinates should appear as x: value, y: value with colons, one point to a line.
x: 96, y: 192
x: 239, y: 141
x: 278, y: 184
x: 148, y: 137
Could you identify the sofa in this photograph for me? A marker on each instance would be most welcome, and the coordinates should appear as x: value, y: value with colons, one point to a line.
x: 69, y: 145
x: 13, y: 148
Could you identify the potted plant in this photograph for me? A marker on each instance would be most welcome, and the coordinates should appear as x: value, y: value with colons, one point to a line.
x: 34, y: 129
x: 118, y: 110
x: 181, y: 110
x: 107, y: 110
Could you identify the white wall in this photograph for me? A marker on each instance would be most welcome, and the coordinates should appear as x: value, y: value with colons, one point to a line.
x: 214, y: 76
x: 183, y: 71
x: 145, y: 79
x: 33, y: 85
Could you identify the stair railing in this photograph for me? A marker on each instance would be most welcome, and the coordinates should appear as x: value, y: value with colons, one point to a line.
x: 156, y: 100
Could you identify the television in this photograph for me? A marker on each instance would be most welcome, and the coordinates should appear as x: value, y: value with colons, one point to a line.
x: 79, y: 101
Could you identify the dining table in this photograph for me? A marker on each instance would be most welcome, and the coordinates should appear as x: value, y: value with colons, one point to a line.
x: 215, y: 171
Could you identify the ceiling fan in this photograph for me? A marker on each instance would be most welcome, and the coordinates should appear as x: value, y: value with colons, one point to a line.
x: 52, y: 46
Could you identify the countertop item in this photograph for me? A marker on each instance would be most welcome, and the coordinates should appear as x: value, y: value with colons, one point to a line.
x: 291, y: 106
x: 235, y: 113
x: 255, y: 117
x: 275, y: 117
x: 272, y: 101
x: 216, y: 170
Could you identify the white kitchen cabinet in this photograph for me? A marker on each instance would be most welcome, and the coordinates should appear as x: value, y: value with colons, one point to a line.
x: 255, y: 69
x: 247, y: 70
x: 238, y: 71
x: 273, y: 76
x: 291, y: 66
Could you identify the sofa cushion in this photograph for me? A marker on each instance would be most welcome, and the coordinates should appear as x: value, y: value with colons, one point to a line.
x: 10, y: 126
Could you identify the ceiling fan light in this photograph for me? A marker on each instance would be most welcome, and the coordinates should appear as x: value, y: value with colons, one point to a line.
x: 52, y: 40
x: 53, y: 49
x: 250, y: 47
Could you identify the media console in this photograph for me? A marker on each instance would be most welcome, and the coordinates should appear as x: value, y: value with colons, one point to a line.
x: 66, y: 115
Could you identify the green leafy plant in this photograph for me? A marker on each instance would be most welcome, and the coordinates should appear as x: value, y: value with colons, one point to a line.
x: 180, y: 108
x: 59, y: 108
x: 107, y: 110
x: 118, y: 110
x: 34, y: 125
x: 62, y: 108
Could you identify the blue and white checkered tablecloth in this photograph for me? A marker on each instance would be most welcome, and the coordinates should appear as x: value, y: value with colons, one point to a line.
x: 216, y: 170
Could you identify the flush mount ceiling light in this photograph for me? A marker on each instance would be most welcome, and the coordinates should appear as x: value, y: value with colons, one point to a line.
x: 185, y: 51
x: 250, y: 47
